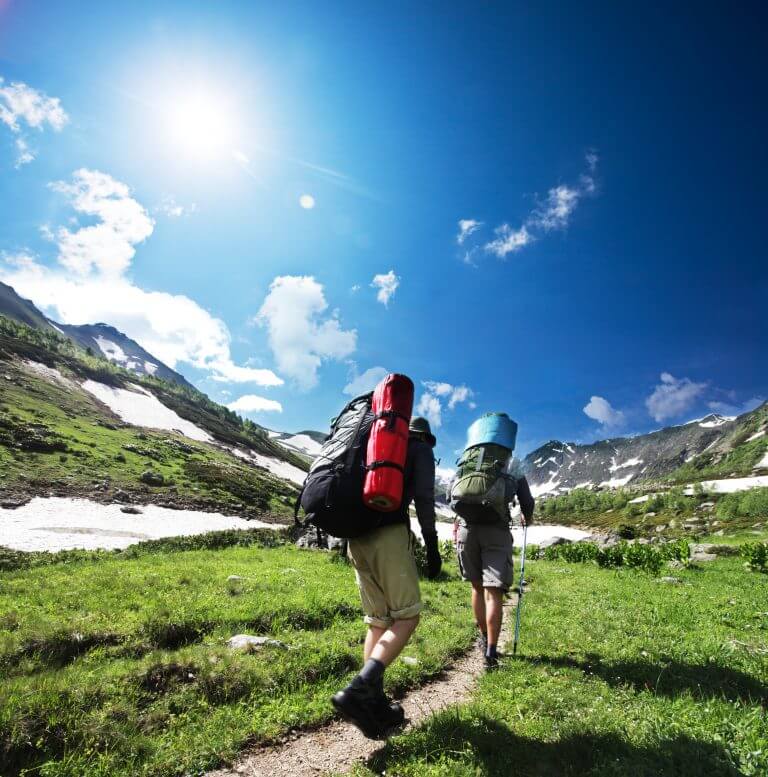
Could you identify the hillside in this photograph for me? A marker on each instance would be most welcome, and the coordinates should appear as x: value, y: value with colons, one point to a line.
x: 75, y: 424
x: 711, y: 447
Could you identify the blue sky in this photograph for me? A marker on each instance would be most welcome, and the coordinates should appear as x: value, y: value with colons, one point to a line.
x: 607, y: 164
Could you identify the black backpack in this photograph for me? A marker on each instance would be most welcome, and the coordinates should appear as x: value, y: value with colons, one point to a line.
x: 332, y: 495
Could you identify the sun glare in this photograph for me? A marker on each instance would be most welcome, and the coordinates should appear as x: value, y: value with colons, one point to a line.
x: 201, y: 126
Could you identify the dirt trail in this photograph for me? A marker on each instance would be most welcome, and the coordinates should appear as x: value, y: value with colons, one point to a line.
x: 337, y: 746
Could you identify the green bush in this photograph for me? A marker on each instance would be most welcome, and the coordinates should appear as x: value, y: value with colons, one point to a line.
x: 756, y: 554
x: 744, y: 504
x: 649, y: 558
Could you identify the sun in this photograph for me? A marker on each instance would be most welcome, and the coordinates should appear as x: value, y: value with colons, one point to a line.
x: 201, y: 125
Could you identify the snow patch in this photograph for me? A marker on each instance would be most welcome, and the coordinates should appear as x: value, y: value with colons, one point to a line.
x: 49, y: 373
x: 628, y: 463
x: 150, y: 368
x: 639, y: 499
x: 141, y: 408
x: 763, y: 463
x: 718, y: 421
x: 111, y: 350
x: 303, y: 443
x: 756, y: 435
x: 61, y: 524
x: 545, y: 488
x: 277, y: 467
x: 617, y: 482
x: 730, y: 485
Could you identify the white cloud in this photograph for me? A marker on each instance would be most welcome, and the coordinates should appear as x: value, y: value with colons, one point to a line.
x: 438, y: 395
x: 20, y: 105
x: 600, y: 410
x: 466, y: 228
x: 730, y: 408
x: 387, y: 284
x: 250, y: 403
x: 553, y: 213
x: 672, y: 397
x: 430, y: 408
x: 557, y: 209
x: 367, y: 381
x: 509, y: 240
x: 108, y: 245
x: 174, y: 210
x: 88, y: 285
x: 299, y: 336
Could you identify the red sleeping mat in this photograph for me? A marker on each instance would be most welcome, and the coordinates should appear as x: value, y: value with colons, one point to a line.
x: 388, y: 443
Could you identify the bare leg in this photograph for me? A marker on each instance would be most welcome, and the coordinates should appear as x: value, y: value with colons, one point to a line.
x: 371, y: 638
x: 391, y: 643
x: 478, y: 606
x: 494, y: 611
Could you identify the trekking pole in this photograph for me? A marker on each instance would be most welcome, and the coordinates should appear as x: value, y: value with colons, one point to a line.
x: 520, y: 590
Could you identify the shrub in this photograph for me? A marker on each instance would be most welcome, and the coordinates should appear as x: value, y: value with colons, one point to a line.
x: 638, y: 556
x: 756, y: 554
x: 744, y: 504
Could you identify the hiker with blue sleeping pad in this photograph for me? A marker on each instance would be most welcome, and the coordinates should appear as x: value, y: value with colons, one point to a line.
x: 486, y: 485
x: 375, y: 462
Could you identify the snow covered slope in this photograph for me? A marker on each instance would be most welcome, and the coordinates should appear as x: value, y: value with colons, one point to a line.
x: 111, y: 343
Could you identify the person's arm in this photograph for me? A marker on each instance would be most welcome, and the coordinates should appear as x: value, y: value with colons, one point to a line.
x: 424, y: 501
x: 525, y: 499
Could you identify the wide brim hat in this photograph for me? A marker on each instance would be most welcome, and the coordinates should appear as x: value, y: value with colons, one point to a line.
x: 421, y: 426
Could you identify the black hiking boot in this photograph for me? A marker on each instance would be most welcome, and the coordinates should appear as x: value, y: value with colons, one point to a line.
x: 363, y: 705
x: 390, y: 713
x: 492, y: 662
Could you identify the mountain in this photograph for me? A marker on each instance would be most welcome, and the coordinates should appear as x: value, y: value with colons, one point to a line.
x: 307, y: 442
x: 22, y: 310
x: 710, y: 447
x: 100, y: 339
x: 120, y: 349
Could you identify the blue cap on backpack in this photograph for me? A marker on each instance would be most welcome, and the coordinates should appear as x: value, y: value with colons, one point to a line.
x: 493, y: 429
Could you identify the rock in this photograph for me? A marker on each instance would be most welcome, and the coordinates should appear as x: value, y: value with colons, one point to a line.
x: 710, y: 548
x: 309, y: 540
x: 235, y: 579
x: 649, y: 515
x: 703, y: 557
x: 152, y: 478
x: 552, y: 541
x: 410, y: 660
x: 120, y: 496
x: 250, y: 643
x: 671, y: 580
x: 706, y: 506
x: 661, y: 527
x: 130, y: 510
x: 13, y: 504
x: 719, y: 532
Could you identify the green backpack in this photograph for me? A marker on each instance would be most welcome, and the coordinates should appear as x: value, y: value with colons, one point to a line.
x: 479, y: 492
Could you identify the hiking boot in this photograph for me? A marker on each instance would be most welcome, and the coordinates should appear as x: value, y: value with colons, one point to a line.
x: 390, y: 713
x: 362, y: 704
x: 482, y: 643
x: 492, y: 662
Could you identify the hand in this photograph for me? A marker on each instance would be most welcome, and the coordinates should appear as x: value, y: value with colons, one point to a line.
x: 434, y: 561
x: 522, y: 520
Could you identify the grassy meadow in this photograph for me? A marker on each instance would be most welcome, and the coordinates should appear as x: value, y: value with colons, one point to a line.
x: 116, y: 664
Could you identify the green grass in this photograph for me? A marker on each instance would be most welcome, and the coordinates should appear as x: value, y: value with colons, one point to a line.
x: 618, y: 674
x: 115, y: 665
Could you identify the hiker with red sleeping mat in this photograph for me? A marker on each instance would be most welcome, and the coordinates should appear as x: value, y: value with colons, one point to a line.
x: 389, y: 585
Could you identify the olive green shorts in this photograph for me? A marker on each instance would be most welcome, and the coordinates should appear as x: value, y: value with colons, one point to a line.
x: 386, y: 575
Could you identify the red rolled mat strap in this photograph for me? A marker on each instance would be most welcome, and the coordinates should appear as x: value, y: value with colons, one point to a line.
x: 388, y: 443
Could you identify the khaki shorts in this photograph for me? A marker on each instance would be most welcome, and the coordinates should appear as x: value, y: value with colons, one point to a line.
x: 485, y: 554
x: 386, y: 575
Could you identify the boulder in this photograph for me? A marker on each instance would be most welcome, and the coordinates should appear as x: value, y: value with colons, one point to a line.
x: 13, y: 504
x: 152, y: 478
x: 309, y: 540
x: 130, y: 510
x: 661, y: 527
x: 715, y: 550
x: 671, y: 580
x: 250, y: 643
x: 552, y: 541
